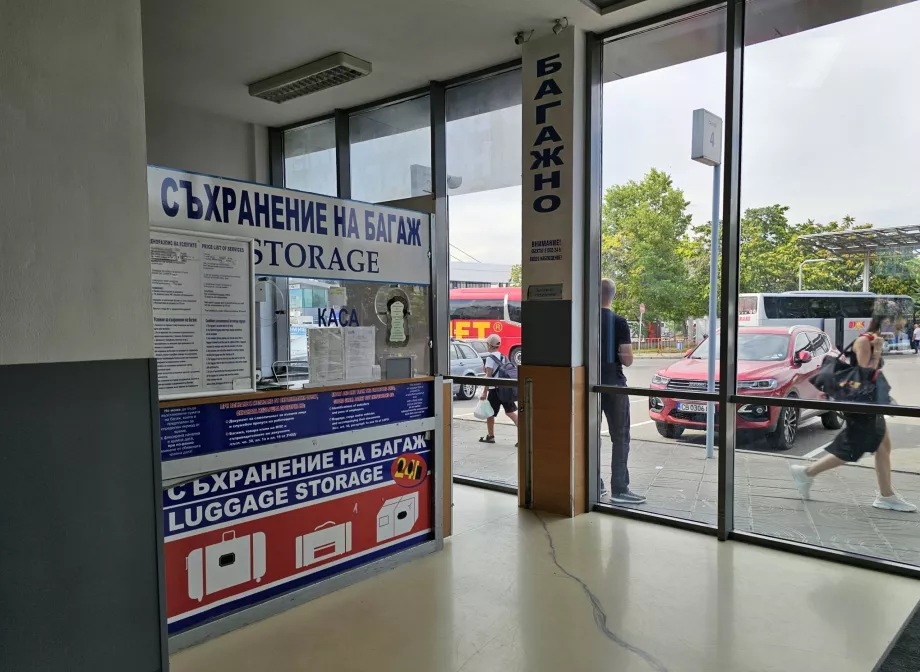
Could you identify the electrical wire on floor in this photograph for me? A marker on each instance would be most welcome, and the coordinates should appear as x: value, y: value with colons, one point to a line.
x: 600, y: 616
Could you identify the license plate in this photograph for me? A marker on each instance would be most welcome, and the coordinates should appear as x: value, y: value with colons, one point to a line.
x: 691, y: 408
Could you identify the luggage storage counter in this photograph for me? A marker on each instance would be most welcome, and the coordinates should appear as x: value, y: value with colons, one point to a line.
x: 273, y: 498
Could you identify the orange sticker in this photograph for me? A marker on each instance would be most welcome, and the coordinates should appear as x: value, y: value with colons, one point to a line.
x: 409, y: 470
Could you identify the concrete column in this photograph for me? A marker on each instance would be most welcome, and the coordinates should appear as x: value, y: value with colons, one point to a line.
x: 79, y: 464
x: 552, y: 268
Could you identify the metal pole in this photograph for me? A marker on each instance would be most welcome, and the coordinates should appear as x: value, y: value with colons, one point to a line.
x: 713, y: 302
x: 800, y: 275
x: 866, y: 273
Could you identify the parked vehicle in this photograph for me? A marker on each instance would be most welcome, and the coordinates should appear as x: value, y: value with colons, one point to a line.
x: 464, y: 361
x: 478, y: 312
x: 772, y: 362
x: 479, y: 345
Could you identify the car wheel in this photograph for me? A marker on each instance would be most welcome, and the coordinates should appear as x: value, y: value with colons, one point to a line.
x: 668, y: 430
x: 467, y: 391
x: 832, y: 420
x: 516, y: 356
x: 787, y: 426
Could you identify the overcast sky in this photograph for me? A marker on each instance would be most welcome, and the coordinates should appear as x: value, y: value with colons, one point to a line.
x: 831, y: 128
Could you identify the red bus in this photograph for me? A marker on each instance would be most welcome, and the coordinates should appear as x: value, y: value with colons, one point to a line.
x: 477, y: 312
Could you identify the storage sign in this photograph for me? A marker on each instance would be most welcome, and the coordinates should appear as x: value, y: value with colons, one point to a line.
x: 296, y: 234
x: 244, y: 535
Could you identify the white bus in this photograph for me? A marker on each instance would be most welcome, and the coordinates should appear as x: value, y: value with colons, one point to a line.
x: 842, y: 315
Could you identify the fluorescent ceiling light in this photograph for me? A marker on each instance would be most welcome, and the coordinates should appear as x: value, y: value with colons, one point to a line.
x: 310, y: 78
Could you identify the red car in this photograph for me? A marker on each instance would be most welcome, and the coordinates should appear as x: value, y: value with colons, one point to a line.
x: 772, y: 362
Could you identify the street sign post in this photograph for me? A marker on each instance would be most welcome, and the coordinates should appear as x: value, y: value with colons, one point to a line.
x: 707, y: 149
x: 641, y: 313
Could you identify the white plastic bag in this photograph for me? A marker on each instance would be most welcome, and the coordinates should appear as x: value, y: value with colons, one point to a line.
x: 483, y: 410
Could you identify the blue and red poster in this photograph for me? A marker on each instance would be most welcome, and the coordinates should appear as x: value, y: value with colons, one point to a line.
x: 190, y: 431
x: 241, y: 536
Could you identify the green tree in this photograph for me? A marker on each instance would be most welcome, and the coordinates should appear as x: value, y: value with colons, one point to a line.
x: 515, y: 278
x: 641, y: 229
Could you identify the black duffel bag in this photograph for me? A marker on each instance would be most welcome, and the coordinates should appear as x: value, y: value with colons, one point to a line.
x: 842, y: 379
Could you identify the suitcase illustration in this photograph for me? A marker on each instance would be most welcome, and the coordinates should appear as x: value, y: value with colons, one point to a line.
x: 230, y: 562
x: 397, y: 516
x: 326, y: 541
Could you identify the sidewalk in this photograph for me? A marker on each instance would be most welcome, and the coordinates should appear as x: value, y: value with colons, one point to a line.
x: 680, y: 482
x: 497, y: 462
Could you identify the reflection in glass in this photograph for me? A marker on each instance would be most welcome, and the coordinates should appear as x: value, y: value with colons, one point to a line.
x: 317, y: 307
x: 309, y: 158
x: 391, y: 152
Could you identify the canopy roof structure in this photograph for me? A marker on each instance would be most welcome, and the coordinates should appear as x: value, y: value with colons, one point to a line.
x: 865, y: 243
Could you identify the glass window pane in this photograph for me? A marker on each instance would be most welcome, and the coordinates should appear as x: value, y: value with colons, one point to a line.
x: 484, y: 201
x: 829, y: 176
x: 655, y: 260
x: 391, y: 152
x: 309, y: 158
x: 367, y: 306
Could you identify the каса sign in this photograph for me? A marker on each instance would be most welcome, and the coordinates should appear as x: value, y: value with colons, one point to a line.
x: 296, y: 234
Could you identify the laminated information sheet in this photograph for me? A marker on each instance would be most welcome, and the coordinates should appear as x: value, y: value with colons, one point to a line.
x: 202, y: 313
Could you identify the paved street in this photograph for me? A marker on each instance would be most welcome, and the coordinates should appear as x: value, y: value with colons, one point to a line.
x: 679, y: 481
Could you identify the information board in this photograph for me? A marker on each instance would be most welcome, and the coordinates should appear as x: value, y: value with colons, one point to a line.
x: 241, y: 536
x: 202, y: 313
x: 190, y: 431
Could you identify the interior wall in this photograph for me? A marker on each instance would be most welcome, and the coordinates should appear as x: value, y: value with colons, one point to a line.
x: 190, y: 139
x: 81, y: 582
x: 74, y: 259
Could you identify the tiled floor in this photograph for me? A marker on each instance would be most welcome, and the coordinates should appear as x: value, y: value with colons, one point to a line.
x: 625, y: 595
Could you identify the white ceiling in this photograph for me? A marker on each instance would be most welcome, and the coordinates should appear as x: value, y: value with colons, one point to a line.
x: 204, y: 53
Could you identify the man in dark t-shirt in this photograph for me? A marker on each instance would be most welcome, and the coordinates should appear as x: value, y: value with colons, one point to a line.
x: 616, y: 353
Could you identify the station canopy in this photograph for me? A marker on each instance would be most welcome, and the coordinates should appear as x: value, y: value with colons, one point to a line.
x: 866, y: 241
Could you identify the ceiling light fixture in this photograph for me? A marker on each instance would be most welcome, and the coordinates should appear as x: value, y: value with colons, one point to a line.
x: 316, y: 76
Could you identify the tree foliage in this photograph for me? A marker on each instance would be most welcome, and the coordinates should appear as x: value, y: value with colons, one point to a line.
x: 656, y: 256
x: 515, y: 279
x: 641, y: 227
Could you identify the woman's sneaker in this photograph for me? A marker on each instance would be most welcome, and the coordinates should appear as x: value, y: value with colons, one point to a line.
x: 801, y: 479
x: 894, y: 503
x: 627, y: 497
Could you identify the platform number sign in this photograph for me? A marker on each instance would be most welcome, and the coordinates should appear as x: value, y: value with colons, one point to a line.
x: 707, y: 138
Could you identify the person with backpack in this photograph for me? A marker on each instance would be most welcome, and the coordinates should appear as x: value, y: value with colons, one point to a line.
x: 497, y: 365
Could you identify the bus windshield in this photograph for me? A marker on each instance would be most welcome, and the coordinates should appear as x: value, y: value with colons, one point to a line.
x: 752, y: 348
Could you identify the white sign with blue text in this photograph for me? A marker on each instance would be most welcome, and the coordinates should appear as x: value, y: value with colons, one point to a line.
x: 552, y: 201
x: 296, y: 234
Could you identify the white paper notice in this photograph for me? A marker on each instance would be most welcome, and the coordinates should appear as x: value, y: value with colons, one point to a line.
x: 397, y: 322
x: 327, y: 354
x: 202, y: 312
x: 360, y: 353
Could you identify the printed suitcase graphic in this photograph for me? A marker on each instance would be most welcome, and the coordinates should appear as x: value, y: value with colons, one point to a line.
x: 230, y: 562
x: 397, y: 516
x: 326, y: 541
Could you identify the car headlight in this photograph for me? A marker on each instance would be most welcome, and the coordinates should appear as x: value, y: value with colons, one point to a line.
x: 658, y: 379
x: 765, y: 384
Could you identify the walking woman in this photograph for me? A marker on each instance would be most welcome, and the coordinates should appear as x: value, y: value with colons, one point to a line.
x: 863, y: 433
